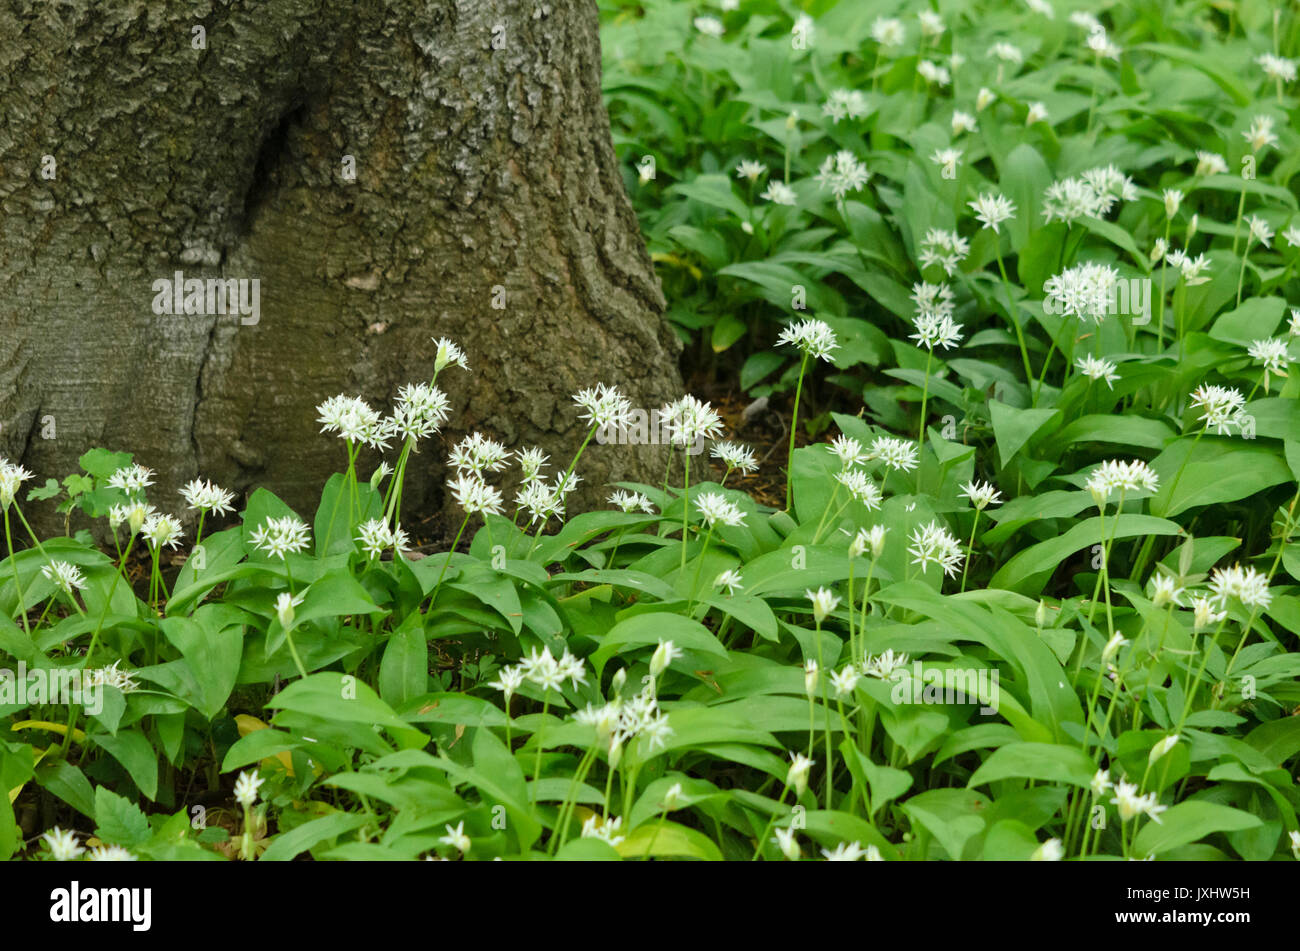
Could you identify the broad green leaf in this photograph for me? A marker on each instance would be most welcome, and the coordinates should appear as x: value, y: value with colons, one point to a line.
x: 333, y: 696
x: 118, y: 820
x: 1045, y: 761
x: 1013, y: 428
x: 665, y: 838
x: 1188, y: 822
x: 1024, y: 176
x: 644, y: 629
x: 1213, y: 470
x: 1030, y: 568
x: 952, y: 816
x: 404, y: 671
x: 289, y: 845
x: 136, y: 756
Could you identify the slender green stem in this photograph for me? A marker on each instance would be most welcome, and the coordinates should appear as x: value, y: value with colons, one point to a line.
x: 288, y: 633
x: 686, y: 504
x: 794, y: 428
x: 699, y: 568
x: 561, y: 833
x: 762, y: 839
x: 866, y: 604
x: 920, y: 429
x: 970, y: 549
x: 94, y: 637
x: 835, y: 491
x: 1015, y: 322
x: 1236, y: 228
x: 654, y: 836
x: 1164, y: 269
x: 1241, y: 274
x: 13, y: 563
x: 447, y: 561
x: 1179, y: 475
x: 537, y: 760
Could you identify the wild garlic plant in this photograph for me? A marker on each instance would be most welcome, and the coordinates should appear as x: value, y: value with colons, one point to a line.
x: 1113, y: 675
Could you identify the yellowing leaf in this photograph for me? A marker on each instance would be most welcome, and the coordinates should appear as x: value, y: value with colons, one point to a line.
x: 250, y: 724
x: 666, y: 839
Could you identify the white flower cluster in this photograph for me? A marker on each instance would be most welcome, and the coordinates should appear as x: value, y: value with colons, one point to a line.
x: 1271, y: 354
x: 896, y: 454
x: 543, y: 669
x: 933, y: 320
x: 934, y: 73
x: 111, y: 676
x: 981, y: 494
x: 131, y: 479
x: 947, y: 249
x: 1131, y: 805
x: 845, y: 104
x: 883, y: 665
x: 850, y: 455
x: 12, y: 476
x: 934, y: 544
x: 376, y: 537
x: 134, y: 514
x: 1260, y: 134
x: 868, y: 540
x: 1210, y: 163
x: 1093, y: 194
x: 206, y: 497
x: 474, y: 495
x: 66, y: 577
x: 888, y: 31
x: 814, y: 337
x: 542, y: 501
x: 354, y: 421
x: 620, y: 721
x: 1085, y: 290
x: 1192, y: 269
x: 419, y: 411
x: 1241, y: 584
x: 842, y: 173
x: 1113, y: 475
x: 1095, y: 368
x: 1277, y: 68
x: 1221, y: 406
x: 631, y: 501
x: 604, y: 406
x: 279, y: 537
x: 476, y: 454
x: 161, y: 531
x: 992, y: 209
x: 860, y: 487
x: 246, y: 787
x: 714, y: 507
x: 689, y: 420
x: 1100, y: 44
x: 736, y: 456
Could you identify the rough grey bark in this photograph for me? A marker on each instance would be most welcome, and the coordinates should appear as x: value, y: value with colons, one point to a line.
x: 483, y: 169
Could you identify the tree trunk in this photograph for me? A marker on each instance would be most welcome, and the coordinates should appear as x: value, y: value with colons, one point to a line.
x: 387, y: 170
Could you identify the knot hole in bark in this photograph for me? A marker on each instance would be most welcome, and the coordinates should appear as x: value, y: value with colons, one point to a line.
x: 272, y: 156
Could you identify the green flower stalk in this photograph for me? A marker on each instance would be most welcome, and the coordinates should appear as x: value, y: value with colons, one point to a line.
x: 1260, y: 135
x: 815, y: 339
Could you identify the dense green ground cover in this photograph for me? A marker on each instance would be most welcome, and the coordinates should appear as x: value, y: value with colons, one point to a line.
x: 1024, y: 275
